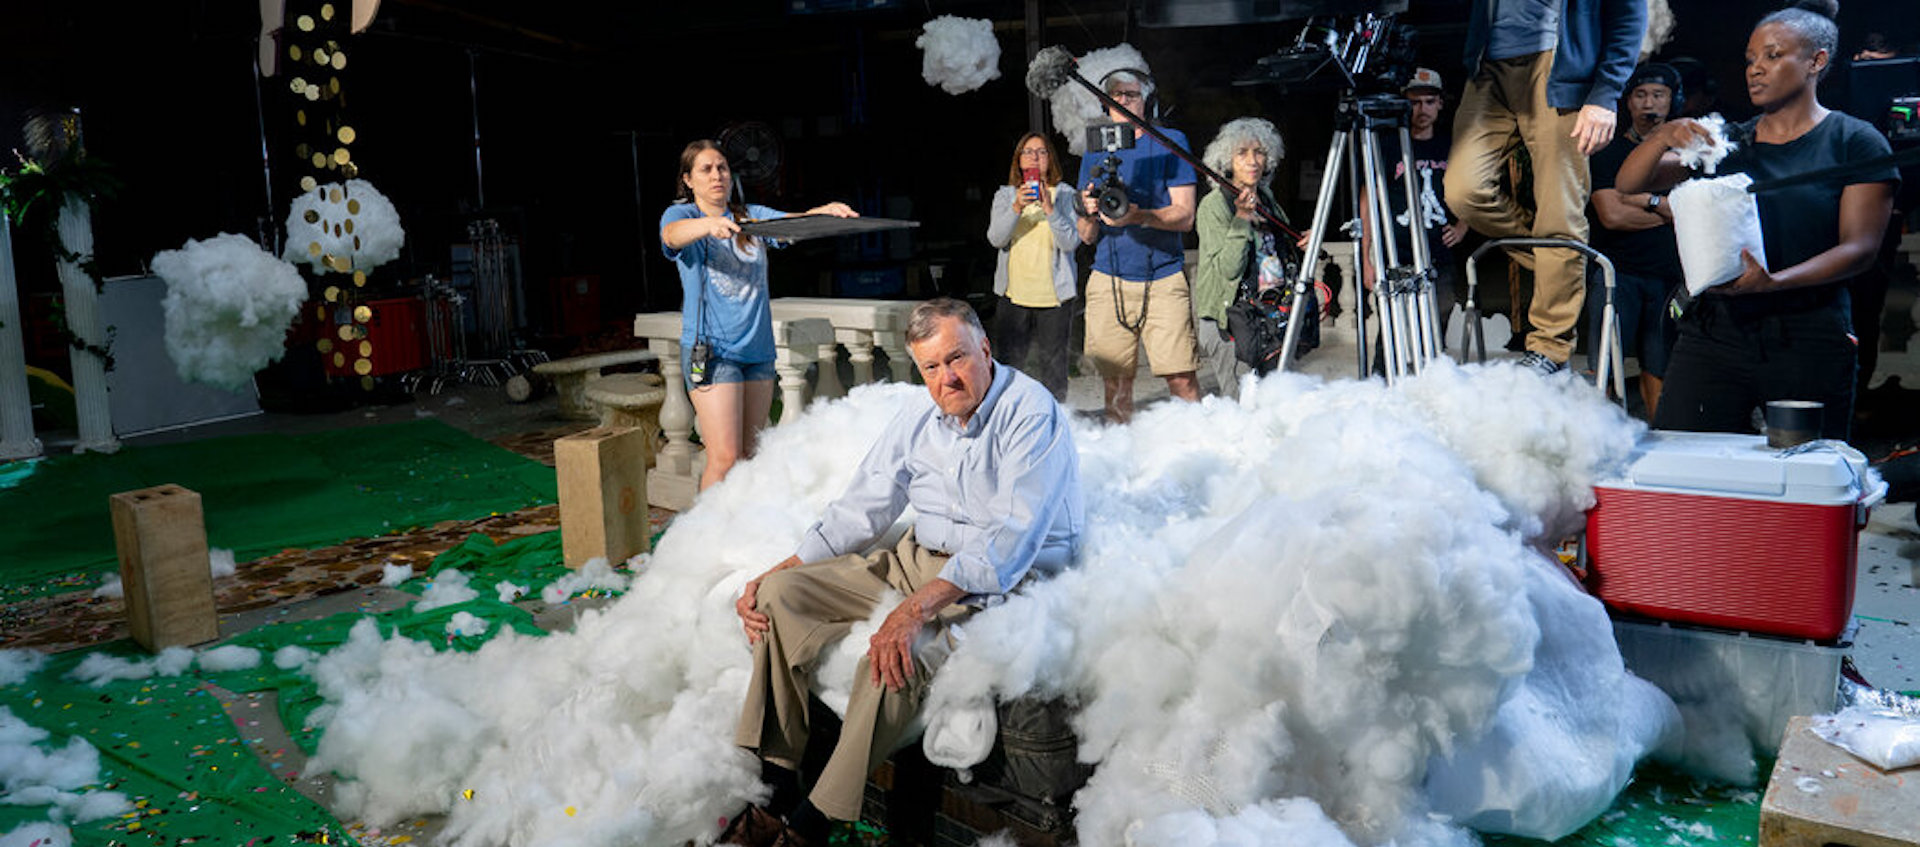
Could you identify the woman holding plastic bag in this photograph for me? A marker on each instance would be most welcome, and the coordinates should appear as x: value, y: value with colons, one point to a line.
x: 1781, y: 328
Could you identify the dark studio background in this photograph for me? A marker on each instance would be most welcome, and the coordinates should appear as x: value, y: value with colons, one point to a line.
x: 583, y: 108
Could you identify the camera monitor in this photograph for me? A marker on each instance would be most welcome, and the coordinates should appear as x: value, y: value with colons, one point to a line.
x: 1109, y: 137
x: 1874, y: 83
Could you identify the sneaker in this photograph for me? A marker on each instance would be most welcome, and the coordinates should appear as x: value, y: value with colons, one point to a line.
x: 1540, y: 364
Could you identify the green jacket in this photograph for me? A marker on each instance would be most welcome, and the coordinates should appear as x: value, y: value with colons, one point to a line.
x: 1225, y: 252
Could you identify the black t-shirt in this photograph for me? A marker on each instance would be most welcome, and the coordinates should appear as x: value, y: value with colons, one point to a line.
x: 1430, y: 170
x: 1647, y: 252
x: 1803, y: 221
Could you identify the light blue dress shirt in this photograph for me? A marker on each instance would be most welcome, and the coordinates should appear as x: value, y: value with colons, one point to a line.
x: 1000, y: 494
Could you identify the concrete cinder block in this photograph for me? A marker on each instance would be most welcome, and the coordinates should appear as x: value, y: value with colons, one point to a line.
x: 603, y: 494
x: 161, y: 536
x: 1822, y: 795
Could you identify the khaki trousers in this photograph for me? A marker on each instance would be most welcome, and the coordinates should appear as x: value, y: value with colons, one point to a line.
x: 1504, y: 107
x: 811, y: 607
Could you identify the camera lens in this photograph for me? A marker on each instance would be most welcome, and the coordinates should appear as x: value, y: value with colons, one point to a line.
x: 1114, y: 202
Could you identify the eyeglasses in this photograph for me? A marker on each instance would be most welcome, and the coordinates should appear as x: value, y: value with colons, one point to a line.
x: 1034, y: 152
x: 1126, y: 94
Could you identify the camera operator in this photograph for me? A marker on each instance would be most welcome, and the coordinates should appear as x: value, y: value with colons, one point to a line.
x: 1138, y: 292
x: 1236, y: 245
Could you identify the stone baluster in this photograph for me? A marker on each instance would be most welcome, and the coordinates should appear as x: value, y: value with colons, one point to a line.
x: 675, y: 477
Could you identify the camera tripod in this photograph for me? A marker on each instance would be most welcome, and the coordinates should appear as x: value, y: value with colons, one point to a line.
x: 1403, y: 293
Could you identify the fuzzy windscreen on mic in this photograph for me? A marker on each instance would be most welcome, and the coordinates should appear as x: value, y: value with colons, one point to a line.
x: 1048, y: 71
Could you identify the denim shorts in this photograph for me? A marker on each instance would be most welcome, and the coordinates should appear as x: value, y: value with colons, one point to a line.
x: 722, y: 371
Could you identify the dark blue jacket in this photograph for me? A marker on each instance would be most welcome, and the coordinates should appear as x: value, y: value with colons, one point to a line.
x: 1599, y: 44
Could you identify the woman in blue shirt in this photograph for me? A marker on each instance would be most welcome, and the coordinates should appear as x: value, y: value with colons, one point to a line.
x: 726, y: 325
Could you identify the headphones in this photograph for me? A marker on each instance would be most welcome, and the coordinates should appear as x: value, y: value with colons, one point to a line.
x: 1149, y: 91
x: 1658, y: 73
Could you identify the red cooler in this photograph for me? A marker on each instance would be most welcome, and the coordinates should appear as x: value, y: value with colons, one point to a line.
x: 1722, y: 530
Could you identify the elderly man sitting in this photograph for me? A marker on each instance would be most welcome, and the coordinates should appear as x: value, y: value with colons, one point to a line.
x: 990, y: 470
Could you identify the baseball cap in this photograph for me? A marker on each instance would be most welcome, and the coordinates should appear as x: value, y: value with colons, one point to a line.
x: 1423, y: 78
x: 1655, y: 73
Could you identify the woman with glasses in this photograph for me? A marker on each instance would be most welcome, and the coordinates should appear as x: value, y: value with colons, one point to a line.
x: 1032, y: 226
x: 726, y: 323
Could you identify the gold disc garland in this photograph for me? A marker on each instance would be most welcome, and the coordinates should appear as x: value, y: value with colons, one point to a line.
x: 324, y: 147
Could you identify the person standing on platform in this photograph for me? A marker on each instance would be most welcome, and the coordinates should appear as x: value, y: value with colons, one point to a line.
x: 1138, y: 293
x: 1031, y: 223
x: 1546, y: 76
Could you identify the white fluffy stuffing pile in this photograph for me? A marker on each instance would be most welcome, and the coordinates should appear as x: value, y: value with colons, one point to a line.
x: 1706, y: 154
x: 228, y: 306
x: 1314, y: 616
x: 33, y: 775
x: 1074, y: 106
x: 374, y: 240
x: 961, y: 54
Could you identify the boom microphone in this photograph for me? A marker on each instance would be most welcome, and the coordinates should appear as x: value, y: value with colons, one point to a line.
x: 1050, y: 69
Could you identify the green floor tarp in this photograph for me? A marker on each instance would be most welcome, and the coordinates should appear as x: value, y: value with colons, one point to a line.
x: 261, y: 494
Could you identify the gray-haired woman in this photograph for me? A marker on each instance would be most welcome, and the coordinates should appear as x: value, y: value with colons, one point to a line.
x: 1235, y: 243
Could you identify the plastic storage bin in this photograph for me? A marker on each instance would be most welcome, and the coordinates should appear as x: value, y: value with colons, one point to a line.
x: 1773, y: 679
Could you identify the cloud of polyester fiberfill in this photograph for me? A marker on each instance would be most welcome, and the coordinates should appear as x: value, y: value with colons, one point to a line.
x: 1074, y: 106
x: 961, y: 53
x: 1289, y: 609
x: 18, y: 664
x: 227, y: 308
x: 354, y: 221
x: 53, y: 775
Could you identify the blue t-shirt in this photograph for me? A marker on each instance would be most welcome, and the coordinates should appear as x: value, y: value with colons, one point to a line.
x: 724, y: 290
x: 1139, y: 253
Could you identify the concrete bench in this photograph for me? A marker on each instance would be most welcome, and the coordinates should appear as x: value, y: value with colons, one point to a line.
x: 630, y: 400
x: 571, y: 375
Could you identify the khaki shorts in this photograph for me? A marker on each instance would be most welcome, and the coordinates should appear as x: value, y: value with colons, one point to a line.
x: 1167, y: 330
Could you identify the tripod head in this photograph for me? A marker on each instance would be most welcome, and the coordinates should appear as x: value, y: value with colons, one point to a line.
x: 1368, y: 53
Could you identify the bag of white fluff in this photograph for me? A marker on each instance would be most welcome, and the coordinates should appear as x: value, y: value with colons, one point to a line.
x: 1887, y: 739
x: 1713, y: 220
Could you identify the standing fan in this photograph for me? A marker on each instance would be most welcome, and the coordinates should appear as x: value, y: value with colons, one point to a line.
x: 753, y: 151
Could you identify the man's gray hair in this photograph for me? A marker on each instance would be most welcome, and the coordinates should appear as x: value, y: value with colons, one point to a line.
x: 925, y: 319
x: 1235, y: 136
x: 1128, y: 75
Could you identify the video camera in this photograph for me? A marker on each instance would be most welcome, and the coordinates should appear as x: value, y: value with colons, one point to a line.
x: 1371, y: 53
x: 1110, y: 190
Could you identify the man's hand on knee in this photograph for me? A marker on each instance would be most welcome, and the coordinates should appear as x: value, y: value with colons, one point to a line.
x: 890, y: 650
x: 752, y: 620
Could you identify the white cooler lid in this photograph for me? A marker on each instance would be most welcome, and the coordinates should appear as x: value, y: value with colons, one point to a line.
x: 1824, y: 473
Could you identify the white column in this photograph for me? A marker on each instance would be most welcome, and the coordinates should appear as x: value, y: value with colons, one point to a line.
x: 83, y: 319
x: 894, y: 342
x: 827, y: 386
x: 675, y: 477
x: 16, y: 410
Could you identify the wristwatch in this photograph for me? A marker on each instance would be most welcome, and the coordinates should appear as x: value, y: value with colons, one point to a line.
x: 1653, y: 202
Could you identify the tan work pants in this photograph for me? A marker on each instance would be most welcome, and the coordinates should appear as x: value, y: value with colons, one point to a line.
x: 811, y: 607
x: 1504, y: 107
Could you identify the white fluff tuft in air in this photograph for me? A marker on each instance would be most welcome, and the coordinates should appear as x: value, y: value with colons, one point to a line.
x: 1706, y: 154
x: 357, y: 223
x: 1660, y: 25
x: 228, y: 306
x: 18, y: 664
x: 961, y: 54
x: 1291, y: 614
x: 1074, y: 107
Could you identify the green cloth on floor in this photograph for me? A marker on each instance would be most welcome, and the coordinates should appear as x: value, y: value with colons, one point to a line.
x: 261, y: 494
x: 168, y: 746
